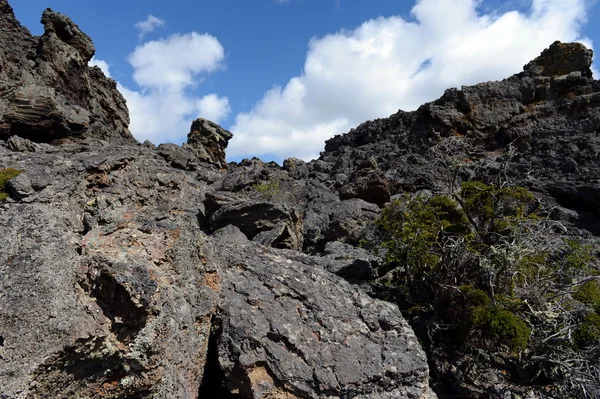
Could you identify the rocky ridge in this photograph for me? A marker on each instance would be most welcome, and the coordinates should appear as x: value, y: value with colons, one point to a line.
x: 165, y: 272
x: 128, y: 295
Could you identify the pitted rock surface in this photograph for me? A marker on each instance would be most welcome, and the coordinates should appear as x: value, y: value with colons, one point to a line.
x: 102, y: 268
x: 123, y: 274
x: 289, y: 327
x: 48, y: 92
x: 208, y: 141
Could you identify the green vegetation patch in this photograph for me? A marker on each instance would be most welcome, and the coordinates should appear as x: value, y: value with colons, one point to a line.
x: 5, y: 176
x: 589, y: 293
x: 502, y: 325
x: 579, y: 256
x: 269, y: 188
x: 471, y: 240
x: 588, y: 332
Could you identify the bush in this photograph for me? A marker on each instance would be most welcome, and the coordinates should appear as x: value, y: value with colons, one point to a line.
x: 588, y: 333
x: 578, y: 255
x: 5, y: 176
x: 589, y: 293
x: 477, y: 229
x: 502, y: 326
x: 269, y: 188
x: 475, y: 297
x: 473, y: 240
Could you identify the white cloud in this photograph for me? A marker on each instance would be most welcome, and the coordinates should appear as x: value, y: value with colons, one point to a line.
x: 393, y: 63
x: 213, y: 107
x: 166, y: 71
x: 103, y: 65
x: 148, y: 26
x: 176, y: 61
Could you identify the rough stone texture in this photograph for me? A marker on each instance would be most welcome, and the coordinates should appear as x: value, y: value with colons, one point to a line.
x: 122, y: 296
x: 270, y: 224
x: 208, y: 141
x: 122, y: 274
x: 110, y: 286
x: 48, y: 92
x: 16, y: 143
x: 105, y: 288
x: 562, y: 59
x: 288, y: 327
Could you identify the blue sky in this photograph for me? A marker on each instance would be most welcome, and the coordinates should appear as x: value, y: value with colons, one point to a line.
x: 284, y: 76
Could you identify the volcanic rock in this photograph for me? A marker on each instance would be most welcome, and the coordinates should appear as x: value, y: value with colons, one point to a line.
x: 48, y: 93
x: 137, y: 271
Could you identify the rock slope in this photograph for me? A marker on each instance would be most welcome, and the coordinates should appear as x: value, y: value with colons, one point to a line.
x: 135, y: 271
x: 111, y: 286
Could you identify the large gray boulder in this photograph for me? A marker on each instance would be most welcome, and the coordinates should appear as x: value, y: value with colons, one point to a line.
x: 105, y: 288
x: 289, y: 330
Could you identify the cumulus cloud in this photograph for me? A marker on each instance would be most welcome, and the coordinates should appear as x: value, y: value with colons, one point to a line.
x: 395, y: 63
x: 166, y: 72
x: 213, y: 107
x: 103, y: 65
x: 148, y: 25
x: 176, y: 61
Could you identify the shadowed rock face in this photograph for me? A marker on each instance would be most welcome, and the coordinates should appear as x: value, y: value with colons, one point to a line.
x: 208, y: 142
x: 562, y: 59
x: 47, y: 91
x: 132, y: 271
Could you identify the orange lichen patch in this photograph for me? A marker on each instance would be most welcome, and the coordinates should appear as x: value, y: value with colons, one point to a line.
x: 97, y: 180
x: 124, y: 241
x: 279, y: 394
x: 263, y: 385
x: 213, y: 281
x: 260, y: 381
x: 175, y: 234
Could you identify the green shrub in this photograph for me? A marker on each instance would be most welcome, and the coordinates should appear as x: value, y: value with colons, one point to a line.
x: 589, y: 294
x: 478, y: 224
x: 5, y: 176
x: 494, y: 212
x: 588, y: 332
x: 502, y: 326
x: 413, y: 231
x: 475, y: 296
x: 579, y: 256
x: 474, y: 240
x: 269, y: 188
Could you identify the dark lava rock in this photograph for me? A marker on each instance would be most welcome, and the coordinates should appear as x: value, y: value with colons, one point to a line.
x: 131, y: 271
x: 48, y: 93
x: 289, y: 330
x: 562, y: 59
x: 208, y: 141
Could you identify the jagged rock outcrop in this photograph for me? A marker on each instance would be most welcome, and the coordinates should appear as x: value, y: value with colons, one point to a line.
x: 47, y: 90
x: 137, y: 271
x: 539, y: 129
x: 118, y: 299
x: 208, y: 142
x: 111, y: 286
x: 122, y: 297
x: 540, y: 126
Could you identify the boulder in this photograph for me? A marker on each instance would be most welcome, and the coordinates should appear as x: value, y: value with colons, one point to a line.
x: 271, y: 224
x: 294, y: 331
